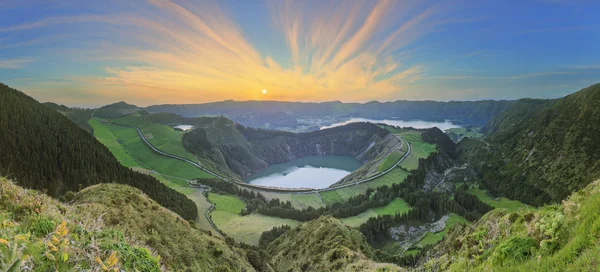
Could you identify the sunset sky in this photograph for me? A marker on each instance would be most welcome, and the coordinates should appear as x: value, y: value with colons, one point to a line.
x: 82, y: 53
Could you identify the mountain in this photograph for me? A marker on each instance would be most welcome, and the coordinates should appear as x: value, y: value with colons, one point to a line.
x: 43, y: 150
x: 554, y: 238
x: 99, y: 220
x: 277, y: 114
x: 325, y: 244
x: 540, y: 151
x: 241, y: 151
x: 115, y: 110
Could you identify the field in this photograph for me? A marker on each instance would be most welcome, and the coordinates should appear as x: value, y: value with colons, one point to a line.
x: 227, y: 203
x: 419, y: 149
x: 395, y: 176
x: 390, y: 160
x: 247, y: 228
x: 397, y: 205
x: 162, y: 137
x: 501, y: 203
x: 108, y: 139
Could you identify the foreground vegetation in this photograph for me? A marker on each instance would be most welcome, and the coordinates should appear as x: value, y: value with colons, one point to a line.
x: 104, y: 227
x: 553, y: 238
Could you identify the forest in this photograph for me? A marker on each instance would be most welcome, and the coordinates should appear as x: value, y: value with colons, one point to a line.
x: 43, y: 150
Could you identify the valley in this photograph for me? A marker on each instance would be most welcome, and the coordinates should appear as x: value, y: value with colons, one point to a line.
x: 404, y: 189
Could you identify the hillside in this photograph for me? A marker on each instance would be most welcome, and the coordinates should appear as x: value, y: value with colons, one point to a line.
x: 554, y: 238
x: 324, y: 244
x: 115, y: 110
x: 100, y: 220
x: 240, y: 151
x: 43, y: 150
x: 79, y: 116
x: 546, y: 148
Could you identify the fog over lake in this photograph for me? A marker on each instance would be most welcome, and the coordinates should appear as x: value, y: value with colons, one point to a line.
x: 184, y: 127
x: 400, y: 123
x: 307, y: 172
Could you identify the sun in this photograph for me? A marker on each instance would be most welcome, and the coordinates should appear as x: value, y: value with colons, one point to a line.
x: 264, y: 91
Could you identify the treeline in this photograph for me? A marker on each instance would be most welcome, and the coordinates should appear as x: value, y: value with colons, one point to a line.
x: 43, y: 150
x: 270, y: 235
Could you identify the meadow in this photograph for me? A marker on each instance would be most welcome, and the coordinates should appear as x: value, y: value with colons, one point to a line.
x: 397, y: 205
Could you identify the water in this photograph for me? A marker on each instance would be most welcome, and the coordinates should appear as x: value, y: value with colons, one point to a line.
x: 184, y: 127
x: 307, y: 172
x: 400, y: 123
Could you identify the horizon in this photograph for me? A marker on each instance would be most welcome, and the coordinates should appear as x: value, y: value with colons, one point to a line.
x: 186, y: 52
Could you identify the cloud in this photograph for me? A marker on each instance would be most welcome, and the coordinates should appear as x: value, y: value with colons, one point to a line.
x: 164, y: 51
x: 14, y: 63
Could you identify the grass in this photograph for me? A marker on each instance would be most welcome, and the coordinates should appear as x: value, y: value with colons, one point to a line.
x: 390, y: 160
x: 397, y: 205
x: 162, y: 137
x: 302, y: 201
x: 502, y: 203
x: 340, y: 195
x: 107, y: 138
x: 247, y: 228
x: 138, y: 150
x: 433, y: 238
x: 419, y: 149
x: 227, y: 203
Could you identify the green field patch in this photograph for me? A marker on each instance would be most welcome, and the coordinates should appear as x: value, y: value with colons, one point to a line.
x: 247, y: 229
x: 303, y: 201
x: 227, y: 203
x: 390, y: 160
x: 398, y: 205
x: 147, y: 158
x: 165, y: 138
x: 499, y: 203
x: 108, y: 139
x: 397, y: 175
x: 419, y: 150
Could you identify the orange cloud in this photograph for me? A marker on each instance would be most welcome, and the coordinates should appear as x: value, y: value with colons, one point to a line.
x: 183, y: 55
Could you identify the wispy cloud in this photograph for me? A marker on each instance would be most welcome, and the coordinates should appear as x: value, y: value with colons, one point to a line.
x: 352, y: 50
x: 14, y: 63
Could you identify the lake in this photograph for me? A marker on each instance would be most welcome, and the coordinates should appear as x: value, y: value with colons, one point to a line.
x: 400, y: 123
x: 184, y: 127
x: 307, y: 172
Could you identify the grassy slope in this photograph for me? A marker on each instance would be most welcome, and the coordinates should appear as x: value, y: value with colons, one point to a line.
x: 324, y: 244
x: 390, y: 160
x: 502, y: 203
x: 398, y: 205
x: 419, y: 149
x: 247, y: 228
x: 162, y: 137
x: 103, y: 218
x: 553, y: 238
x: 227, y: 203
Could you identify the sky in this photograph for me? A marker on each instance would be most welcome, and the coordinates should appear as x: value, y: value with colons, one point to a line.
x: 88, y: 54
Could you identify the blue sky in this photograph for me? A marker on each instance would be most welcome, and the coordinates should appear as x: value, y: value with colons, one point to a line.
x: 81, y: 53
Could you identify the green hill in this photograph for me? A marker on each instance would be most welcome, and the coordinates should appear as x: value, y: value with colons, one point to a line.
x: 554, y: 238
x: 325, y: 244
x: 43, y: 150
x: 100, y: 220
x: 541, y: 150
